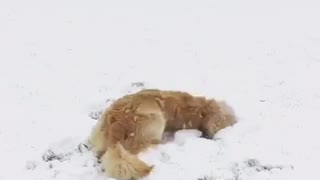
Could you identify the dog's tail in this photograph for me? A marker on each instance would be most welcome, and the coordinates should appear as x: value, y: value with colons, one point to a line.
x: 120, y: 164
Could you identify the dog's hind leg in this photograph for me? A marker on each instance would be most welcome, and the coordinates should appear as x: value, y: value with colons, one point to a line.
x: 148, y: 133
x: 97, y: 138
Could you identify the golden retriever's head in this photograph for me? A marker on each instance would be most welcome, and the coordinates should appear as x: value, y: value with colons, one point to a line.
x: 228, y: 112
x: 217, y: 115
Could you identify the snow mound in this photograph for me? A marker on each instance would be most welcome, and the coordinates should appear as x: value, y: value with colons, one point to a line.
x: 186, y: 156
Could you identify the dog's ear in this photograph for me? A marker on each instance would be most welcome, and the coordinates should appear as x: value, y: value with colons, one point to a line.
x: 212, y: 106
x: 160, y: 102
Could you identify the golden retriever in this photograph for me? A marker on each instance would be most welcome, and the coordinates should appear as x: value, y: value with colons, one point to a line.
x: 137, y: 121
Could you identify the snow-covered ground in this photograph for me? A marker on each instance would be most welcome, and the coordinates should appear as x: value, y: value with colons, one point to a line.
x: 62, y: 62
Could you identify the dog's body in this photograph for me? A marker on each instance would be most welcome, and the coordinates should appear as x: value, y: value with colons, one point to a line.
x: 137, y: 121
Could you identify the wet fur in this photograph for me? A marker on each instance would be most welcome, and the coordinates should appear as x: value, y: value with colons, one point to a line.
x: 137, y: 121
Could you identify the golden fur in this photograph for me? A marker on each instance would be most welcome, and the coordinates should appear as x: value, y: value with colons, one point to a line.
x: 138, y: 121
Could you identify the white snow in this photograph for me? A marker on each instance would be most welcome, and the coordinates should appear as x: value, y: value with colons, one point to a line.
x: 62, y: 62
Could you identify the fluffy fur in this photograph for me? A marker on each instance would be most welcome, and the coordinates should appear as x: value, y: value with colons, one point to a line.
x: 137, y: 121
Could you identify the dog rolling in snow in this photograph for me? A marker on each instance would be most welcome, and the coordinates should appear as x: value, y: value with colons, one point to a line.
x: 137, y: 121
